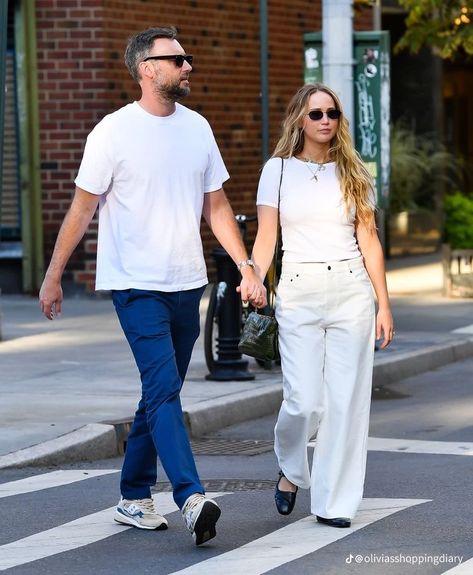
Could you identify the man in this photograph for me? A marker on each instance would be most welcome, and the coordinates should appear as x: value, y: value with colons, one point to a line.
x: 155, y: 168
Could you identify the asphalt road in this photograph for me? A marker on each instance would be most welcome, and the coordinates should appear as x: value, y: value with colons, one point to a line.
x: 431, y: 313
x: 416, y: 516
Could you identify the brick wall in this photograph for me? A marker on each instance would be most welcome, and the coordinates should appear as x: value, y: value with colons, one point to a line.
x: 82, y: 77
x: 72, y: 98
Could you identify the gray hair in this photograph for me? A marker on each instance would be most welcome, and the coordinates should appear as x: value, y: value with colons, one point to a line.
x: 140, y: 44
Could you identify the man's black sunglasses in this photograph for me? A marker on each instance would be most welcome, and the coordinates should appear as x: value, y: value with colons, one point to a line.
x: 318, y: 114
x: 179, y: 59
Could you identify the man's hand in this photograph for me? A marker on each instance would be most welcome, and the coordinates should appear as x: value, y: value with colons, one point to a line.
x: 73, y: 228
x: 252, y: 289
x: 50, y: 298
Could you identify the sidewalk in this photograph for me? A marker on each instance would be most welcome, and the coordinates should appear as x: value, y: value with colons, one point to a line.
x: 64, y: 384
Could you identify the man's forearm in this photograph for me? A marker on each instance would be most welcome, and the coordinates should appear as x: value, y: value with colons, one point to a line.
x: 72, y: 230
x: 221, y: 219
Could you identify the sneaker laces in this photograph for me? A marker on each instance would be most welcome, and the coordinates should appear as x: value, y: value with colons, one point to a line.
x: 193, y: 502
x: 146, y: 505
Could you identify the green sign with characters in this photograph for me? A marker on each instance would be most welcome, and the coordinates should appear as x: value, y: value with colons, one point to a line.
x: 313, y: 51
x: 372, y: 107
x: 371, y: 77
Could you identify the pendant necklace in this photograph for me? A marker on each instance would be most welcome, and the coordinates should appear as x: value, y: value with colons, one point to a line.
x: 320, y: 167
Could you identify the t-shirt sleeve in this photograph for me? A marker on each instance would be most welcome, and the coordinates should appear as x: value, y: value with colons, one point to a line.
x: 216, y: 173
x: 268, y: 186
x: 96, y: 169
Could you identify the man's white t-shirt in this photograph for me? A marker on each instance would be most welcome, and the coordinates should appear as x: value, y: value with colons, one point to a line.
x: 151, y: 173
x: 315, y: 224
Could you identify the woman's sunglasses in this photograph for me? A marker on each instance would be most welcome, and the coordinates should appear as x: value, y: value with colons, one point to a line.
x: 179, y: 59
x: 315, y: 115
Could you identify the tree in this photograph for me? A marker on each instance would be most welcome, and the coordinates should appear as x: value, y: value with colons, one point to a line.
x: 444, y: 25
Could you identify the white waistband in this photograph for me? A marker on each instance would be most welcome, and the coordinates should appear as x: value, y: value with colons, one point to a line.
x: 317, y: 267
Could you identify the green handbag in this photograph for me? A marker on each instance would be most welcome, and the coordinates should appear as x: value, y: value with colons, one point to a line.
x: 259, y: 337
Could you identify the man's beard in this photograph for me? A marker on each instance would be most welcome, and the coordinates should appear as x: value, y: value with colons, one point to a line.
x: 172, y: 92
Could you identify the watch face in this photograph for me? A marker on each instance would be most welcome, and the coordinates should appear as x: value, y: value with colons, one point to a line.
x: 246, y: 263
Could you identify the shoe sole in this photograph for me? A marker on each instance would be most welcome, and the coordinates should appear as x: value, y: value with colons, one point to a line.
x: 125, y: 520
x: 204, y: 528
x: 324, y: 521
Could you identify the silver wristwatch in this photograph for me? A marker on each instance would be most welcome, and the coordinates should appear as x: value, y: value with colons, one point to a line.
x: 244, y: 263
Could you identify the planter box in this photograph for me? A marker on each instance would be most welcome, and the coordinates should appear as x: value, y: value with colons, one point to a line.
x: 457, y: 272
x: 413, y: 233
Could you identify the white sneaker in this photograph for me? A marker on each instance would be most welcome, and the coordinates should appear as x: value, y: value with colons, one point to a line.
x: 200, y: 516
x: 139, y: 513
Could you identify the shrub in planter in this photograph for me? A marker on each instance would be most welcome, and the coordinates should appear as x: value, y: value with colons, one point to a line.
x: 421, y: 168
x: 459, y: 221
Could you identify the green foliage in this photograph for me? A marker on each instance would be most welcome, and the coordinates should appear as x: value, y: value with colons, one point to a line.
x: 407, y: 169
x: 420, y: 168
x: 444, y: 25
x: 459, y: 221
x: 359, y: 5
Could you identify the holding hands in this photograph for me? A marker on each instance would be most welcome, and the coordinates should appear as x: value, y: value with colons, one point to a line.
x: 251, y: 288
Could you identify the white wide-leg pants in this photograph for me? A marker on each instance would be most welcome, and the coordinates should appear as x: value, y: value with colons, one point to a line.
x: 326, y: 318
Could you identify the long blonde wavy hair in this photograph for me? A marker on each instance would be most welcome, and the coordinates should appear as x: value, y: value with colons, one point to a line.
x: 355, y: 180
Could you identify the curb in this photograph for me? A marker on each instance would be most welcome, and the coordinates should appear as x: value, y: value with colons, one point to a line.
x: 93, y: 441
x: 413, y: 363
x: 238, y: 407
x: 102, y: 440
x: 220, y: 413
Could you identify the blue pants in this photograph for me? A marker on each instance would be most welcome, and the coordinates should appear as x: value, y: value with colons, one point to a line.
x: 161, y: 329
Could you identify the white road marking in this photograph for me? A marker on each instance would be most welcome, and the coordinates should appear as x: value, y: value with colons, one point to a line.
x: 77, y: 533
x: 294, y: 541
x: 48, y: 480
x: 467, y: 330
x: 464, y: 568
x: 418, y: 446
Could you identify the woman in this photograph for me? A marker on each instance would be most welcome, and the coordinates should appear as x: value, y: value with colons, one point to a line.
x: 325, y: 306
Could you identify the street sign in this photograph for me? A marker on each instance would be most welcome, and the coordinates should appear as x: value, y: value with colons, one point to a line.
x: 371, y: 100
x: 372, y: 107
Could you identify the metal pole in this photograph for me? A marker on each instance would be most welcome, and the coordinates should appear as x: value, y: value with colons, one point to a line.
x: 382, y: 215
x: 3, y: 49
x: 230, y: 366
x: 263, y: 19
x: 28, y: 123
x: 377, y: 15
x: 337, y: 36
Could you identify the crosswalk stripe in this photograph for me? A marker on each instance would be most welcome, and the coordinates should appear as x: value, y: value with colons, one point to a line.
x: 77, y: 533
x: 465, y: 568
x: 420, y: 446
x: 417, y: 446
x: 48, y: 480
x: 467, y: 329
x: 294, y: 541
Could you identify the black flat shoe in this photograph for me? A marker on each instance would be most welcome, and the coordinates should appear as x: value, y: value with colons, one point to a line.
x: 285, y: 500
x: 335, y: 522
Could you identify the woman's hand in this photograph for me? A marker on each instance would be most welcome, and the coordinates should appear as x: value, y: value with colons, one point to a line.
x: 384, y: 326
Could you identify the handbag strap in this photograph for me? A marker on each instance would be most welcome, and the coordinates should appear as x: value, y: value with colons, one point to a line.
x: 272, y: 280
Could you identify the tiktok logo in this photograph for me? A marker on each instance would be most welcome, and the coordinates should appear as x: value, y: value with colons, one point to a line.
x: 349, y: 559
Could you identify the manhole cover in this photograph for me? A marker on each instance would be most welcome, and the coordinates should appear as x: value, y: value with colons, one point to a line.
x: 214, y: 446
x: 230, y: 485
